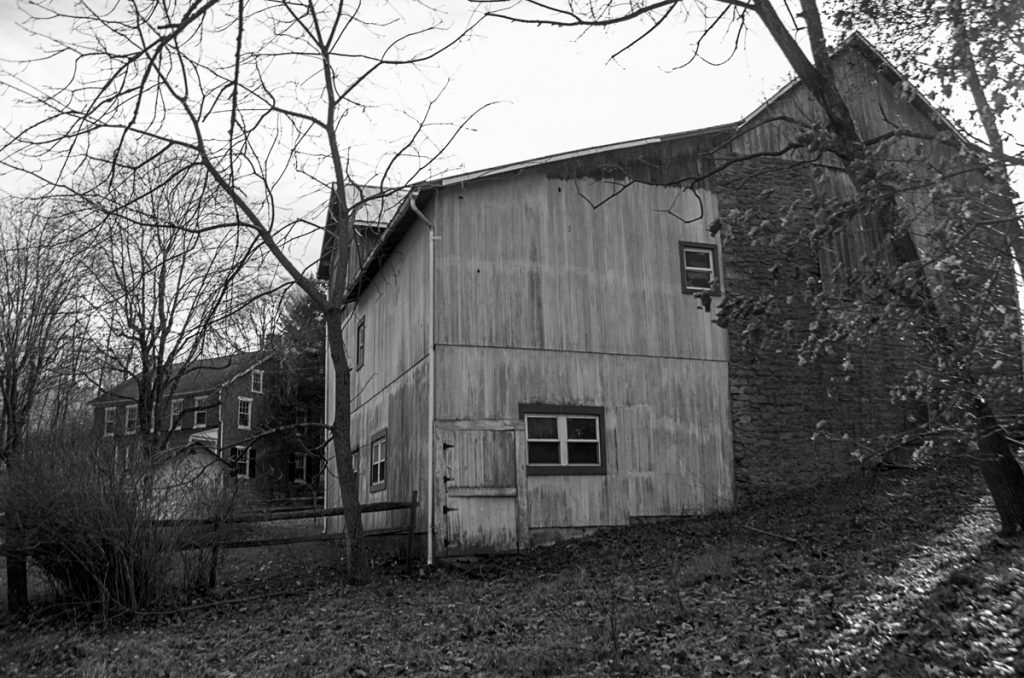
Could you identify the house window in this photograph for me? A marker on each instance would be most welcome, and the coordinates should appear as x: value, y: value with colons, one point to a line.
x: 245, y: 413
x: 243, y: 460
x: 378, y: 461
x: 564, y: 440
x: 176, y: 406
x: 131, y: 419
x: 199, y: 405
x: 699, y: 266
x: 360, y: 342
x: 257, y: 381
x: 109, y: 421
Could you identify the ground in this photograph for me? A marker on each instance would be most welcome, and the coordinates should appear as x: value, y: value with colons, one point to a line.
x: 886, y: 574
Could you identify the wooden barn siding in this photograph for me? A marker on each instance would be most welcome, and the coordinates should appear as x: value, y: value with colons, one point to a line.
x: 527, y: 262
x: 390, y: 389
x: 668, y: 441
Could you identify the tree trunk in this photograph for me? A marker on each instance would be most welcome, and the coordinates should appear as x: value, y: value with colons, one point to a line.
x: 357, y: 556
x: 1002, y: 471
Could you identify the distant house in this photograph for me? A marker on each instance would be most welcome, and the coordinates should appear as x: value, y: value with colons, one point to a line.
x: 218, y: 411
x: 527, y: 351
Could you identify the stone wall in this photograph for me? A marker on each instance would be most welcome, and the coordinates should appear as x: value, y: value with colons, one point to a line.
x: 777, y: 403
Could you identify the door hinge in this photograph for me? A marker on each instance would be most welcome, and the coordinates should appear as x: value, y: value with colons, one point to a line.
x: 448, y: 509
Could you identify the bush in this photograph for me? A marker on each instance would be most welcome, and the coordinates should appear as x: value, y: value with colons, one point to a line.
x: 87, y: 523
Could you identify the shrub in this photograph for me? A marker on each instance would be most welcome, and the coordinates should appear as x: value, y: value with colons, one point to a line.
x: 86, y: 521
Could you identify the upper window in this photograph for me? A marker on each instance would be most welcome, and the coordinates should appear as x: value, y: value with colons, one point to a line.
x: 699, y: 266
x: 564, y: 440
x: 244, y: 413
x: 378, y: 461
x: 360, y: 342
x: 199, y: 405
x: 131, y: 419
x: 176, y: 407
x: 257, y: 381
x: 109, y: 421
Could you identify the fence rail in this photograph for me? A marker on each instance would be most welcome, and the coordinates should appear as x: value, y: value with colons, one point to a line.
x: 214, y: 541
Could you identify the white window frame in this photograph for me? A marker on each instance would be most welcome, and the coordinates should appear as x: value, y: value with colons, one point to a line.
x: 379, y: 461
x: 199, y: 407
x: 248, y: 413
x: 561, y: 415
x: 131, y: 423
x: 256, y: 381
x: 177, y: 407
x: 243, y: 461
x: 109, y: 421
x: 714, y: 273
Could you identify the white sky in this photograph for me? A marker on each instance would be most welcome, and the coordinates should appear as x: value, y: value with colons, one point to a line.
x: 556, y: 90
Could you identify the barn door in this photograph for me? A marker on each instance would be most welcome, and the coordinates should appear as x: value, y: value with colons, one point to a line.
x: 479, y: 513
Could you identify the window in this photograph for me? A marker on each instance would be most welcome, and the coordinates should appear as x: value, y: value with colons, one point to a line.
x: 243, y: 461
x: 131, y: 419
x: 176, y: 406
x: 257, y: 381
x: 244, y: 413
x: 699, y: 265
x: 378, y: 461
x: 563, y: 440
x: 360, y: 342
x: 355, y: 464
x: 199, y: 405
x: 109, y: 421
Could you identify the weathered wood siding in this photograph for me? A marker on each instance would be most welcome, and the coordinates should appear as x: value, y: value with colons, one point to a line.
x: 568, y: 291
x: 389, y: 391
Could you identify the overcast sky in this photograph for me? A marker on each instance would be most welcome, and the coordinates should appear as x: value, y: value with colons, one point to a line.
x: 554, y: 90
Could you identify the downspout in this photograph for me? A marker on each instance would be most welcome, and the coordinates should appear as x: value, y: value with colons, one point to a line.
x: 432, y: 389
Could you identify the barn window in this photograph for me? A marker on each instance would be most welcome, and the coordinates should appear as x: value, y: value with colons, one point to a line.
x: 378, y: 461
x: 360, y: 342
x: 699, y: 267
x: 564, y: 439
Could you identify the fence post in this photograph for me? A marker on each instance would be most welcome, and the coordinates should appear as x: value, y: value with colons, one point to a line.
x: 212, y: 583
x: 412, y: 533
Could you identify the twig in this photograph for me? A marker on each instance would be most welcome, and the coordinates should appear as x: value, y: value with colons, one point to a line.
x: 777, y: 536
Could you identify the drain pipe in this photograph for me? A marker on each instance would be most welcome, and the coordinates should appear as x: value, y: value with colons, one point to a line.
x: 432, y: 389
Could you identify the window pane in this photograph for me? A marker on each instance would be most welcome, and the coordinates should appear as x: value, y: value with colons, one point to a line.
x: 700, y: 280
x: 542, y: 427
x: 697, y: 258
x: 581, y: 429
x: 583, y: 453
x: 542, y: 453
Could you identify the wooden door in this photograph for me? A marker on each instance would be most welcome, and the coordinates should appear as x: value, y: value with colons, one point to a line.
x: 479, y: 510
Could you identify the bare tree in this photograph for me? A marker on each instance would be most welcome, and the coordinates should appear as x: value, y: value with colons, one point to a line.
x: 273, y: 98
x: 907, y: 276
x: 166, y: 272
x: 39, y: 268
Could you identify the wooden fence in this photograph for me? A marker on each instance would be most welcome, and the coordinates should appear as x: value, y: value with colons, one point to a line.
x: 214, y: 541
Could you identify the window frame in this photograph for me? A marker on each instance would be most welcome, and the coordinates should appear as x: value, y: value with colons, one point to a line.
x: 566, y: 412
x: 177, y: 407
x: 379, y: 478
x: 716, y: 267
x: 128, y: 428
x: 248, y: 414
x: 199, y: 407
x: 256, y: 379
x: 245, y: 456
x: 109, y: 421
x: 360, y: 342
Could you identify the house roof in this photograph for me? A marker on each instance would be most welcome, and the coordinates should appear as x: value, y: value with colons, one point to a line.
x: 201, y: 376
x: 420, y: 195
